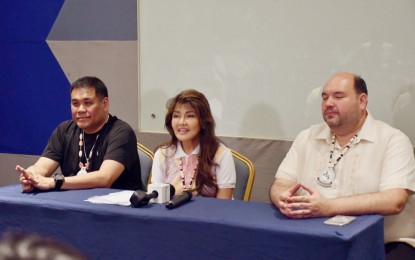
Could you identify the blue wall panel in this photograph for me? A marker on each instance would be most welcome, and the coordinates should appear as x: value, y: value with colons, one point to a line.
x: 34, y: 90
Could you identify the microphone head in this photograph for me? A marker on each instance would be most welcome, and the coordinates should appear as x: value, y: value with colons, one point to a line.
x: 153, y: 194
x: 172, y: 191
x: 139, y: 198
x: 187, y: 194
x: 178, y: 200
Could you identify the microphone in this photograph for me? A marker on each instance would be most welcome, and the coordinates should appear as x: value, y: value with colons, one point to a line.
x: 179, y: 200
x: 140, y: 198
x: 172, y: 191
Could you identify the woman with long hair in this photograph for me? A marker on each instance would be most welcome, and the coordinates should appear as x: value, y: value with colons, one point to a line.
x: 194, y: 159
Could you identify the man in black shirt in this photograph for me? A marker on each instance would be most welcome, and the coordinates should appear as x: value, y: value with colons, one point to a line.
x: 93, y: 150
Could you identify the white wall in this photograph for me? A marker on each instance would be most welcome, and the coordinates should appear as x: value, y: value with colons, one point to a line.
x: 261, y: 62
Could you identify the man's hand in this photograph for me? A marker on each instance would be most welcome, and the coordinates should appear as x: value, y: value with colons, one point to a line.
x: 285, y: 199
x: 307, y: 206
x: 30, y: 180
x: 24, y: 179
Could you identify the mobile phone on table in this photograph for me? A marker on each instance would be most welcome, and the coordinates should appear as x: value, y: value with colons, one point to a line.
x: 339, y: 220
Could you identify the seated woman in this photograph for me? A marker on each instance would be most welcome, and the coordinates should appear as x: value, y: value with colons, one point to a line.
x: 194, y: 159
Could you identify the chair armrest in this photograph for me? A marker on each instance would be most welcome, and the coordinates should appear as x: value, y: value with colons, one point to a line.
x: 407, y: 240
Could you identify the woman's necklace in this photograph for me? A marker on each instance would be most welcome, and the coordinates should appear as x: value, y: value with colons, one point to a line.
x: 328, y: 174
x: 188, y: 167
x: 85, y: 167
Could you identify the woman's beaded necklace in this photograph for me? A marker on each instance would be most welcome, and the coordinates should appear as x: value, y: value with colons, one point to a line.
x: 188, y: 168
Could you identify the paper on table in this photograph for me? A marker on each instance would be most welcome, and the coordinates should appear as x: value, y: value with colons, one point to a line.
x: 117, y: 198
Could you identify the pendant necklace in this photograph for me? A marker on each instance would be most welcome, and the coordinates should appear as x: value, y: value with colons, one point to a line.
x: 85, y: 167
x: 328, y: 174
x: 188, y: 171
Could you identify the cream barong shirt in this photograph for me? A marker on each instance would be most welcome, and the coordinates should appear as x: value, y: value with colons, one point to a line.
x: 380, y: 158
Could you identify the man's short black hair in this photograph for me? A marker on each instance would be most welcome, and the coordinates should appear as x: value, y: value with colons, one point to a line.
x: 360, y: 85
x: 91, y: 82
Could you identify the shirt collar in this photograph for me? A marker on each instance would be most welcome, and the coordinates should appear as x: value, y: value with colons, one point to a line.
x: 366, y: 133
x: 325, y: 134
x: 180, y: 152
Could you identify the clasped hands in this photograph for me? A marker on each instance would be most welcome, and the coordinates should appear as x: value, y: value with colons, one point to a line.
x: 302, y: 206
x: 30, y: 179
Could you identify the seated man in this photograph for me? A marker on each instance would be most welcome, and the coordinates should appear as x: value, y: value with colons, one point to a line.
x: 94, y: 149
x: 350, y: 165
